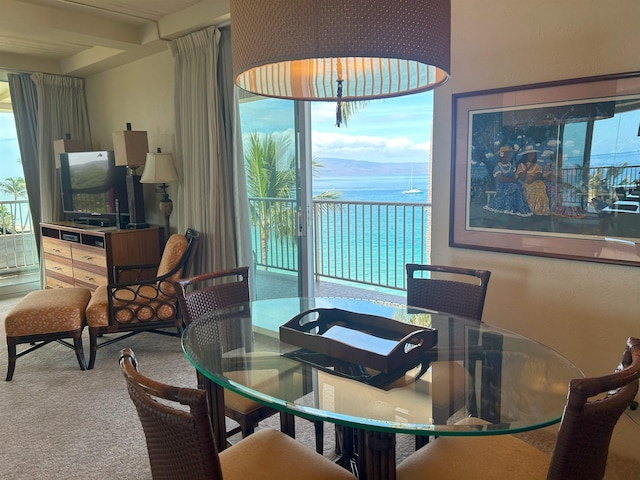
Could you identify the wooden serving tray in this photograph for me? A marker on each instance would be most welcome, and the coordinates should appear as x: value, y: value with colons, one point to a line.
x: 374, y: 342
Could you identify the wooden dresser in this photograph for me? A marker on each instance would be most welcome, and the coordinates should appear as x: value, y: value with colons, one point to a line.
x: 83, y: 255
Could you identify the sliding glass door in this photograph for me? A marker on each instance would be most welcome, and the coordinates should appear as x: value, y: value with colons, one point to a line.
x: 276, y: 145
x: 19, y: 264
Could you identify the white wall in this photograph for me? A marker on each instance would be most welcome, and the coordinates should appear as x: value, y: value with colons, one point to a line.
x: 140, y: 93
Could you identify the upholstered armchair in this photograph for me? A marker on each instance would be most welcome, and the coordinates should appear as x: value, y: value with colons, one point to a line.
x: 138, y: 302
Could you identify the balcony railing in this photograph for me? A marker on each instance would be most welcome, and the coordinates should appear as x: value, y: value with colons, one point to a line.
x: 370, y: 243
x: 607, y: 182
x: 17, y: 242
x: 362, y: 242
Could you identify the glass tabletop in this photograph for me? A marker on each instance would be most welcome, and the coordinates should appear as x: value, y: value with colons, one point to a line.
x: 510, y: 382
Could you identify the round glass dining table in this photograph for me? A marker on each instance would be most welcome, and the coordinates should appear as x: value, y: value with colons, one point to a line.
x: 468, y: 369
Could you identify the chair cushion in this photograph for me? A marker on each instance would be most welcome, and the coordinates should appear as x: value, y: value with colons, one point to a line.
x: 457, y: 377
x: 486, y: 457
x: 173, y: 252
x: 266, y: 381
x: 97, y: 309
x: 260, y: 379
x: 271, y: 455
x: 48, y: 311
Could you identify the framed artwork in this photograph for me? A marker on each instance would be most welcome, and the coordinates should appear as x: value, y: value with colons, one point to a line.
x: 549, y: 169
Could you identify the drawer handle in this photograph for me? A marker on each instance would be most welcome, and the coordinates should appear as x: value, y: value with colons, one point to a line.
x: 55, y: 250
x: 86, y: 277
x: 86, y: 257
x: 57, y: 268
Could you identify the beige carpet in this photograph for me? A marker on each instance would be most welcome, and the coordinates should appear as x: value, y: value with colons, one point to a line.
x: 57, y: 421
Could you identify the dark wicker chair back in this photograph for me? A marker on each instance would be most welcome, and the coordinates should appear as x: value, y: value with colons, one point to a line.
x: 180, y: 442
x: 211, y: 291
x: 582, y: 446
x: 448, y: 296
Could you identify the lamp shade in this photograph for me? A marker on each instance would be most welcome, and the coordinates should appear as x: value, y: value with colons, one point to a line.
x: 130, y: 147
x: 159, y: 168
x: 340, y: 50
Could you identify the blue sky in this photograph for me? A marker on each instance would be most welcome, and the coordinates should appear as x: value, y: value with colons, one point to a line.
x: 390, y: 130
x: 9, y: 153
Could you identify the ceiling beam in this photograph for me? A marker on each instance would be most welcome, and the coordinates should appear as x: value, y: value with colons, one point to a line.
x: 50, y: 24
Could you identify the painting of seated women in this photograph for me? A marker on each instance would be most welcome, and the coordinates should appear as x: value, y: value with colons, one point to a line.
x: 509, y: 197
x: 530, y: 173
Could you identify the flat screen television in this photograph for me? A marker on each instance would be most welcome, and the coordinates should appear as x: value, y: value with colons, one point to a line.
x: 94, y: 189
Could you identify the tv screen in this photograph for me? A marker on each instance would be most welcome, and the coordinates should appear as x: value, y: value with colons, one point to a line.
x: 91, y: 183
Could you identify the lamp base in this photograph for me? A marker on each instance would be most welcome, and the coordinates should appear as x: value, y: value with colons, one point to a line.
x: 136, y: 226
x: 135, y: 200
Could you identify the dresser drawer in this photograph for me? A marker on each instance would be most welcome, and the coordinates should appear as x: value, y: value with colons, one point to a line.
x: 57, y: 247
x: 55, y: 282
x: 90, y: 278
x: 89, y: 255
x: 58, y: 265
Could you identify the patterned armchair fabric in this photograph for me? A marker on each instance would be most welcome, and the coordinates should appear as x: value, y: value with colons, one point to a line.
x: 143, y: 304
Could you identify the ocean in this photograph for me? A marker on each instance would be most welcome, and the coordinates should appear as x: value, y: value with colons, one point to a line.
x: 372, y: 244
x: 374, y: 189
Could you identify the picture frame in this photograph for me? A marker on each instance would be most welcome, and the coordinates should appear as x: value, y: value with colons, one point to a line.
x: 549, y: 169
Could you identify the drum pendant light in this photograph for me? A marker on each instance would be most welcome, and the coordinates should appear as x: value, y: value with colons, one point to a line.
x: 340, y: 50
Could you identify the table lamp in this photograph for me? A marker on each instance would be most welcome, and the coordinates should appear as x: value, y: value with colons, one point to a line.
x: 130, y: 148
x: 159, y: 168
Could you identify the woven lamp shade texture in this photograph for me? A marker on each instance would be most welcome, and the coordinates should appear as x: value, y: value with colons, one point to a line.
x: 298, y: 49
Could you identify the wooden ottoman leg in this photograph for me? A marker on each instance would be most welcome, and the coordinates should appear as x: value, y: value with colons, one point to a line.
x: 77, y: 342
x: 11, y: 348
x: 93, y: 347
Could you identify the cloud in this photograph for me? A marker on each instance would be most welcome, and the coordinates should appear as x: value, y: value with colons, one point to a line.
x: 369, y: 148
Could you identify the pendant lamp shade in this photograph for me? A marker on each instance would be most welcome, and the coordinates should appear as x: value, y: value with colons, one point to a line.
x: 335, y: 50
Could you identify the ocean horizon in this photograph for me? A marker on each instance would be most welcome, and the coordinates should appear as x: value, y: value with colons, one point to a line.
x: 374, y: 188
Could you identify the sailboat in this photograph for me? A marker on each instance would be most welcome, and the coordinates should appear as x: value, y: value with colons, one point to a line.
x: 411, y: 190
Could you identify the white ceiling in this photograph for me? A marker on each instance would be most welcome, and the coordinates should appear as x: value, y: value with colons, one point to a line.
x: 82, y: 37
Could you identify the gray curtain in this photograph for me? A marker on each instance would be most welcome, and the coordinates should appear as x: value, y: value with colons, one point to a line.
x: 62, y: 110
x: 24, y: 102
x: 206, y: 158
x: 46, y: 108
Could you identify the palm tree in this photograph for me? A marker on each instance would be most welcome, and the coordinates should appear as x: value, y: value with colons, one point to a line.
x: 349, y: 108
x: 16, y: 187
x: 271, y: 175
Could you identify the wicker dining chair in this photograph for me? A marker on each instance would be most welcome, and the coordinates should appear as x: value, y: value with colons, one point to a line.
x: 206, y: 292
x: 449, y: 295
x: 181, y: 445
x: 580, y: 451
x: 457, y: 291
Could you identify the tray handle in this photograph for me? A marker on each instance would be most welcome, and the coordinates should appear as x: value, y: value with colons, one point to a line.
x: 314, y: 323
x: 410, y: 342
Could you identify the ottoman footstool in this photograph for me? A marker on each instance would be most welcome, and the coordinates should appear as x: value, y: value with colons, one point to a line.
x: 45, y: 316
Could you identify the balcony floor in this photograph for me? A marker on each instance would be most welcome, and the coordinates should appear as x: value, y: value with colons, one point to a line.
x: 15, y: 282
x: 277, y: 285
